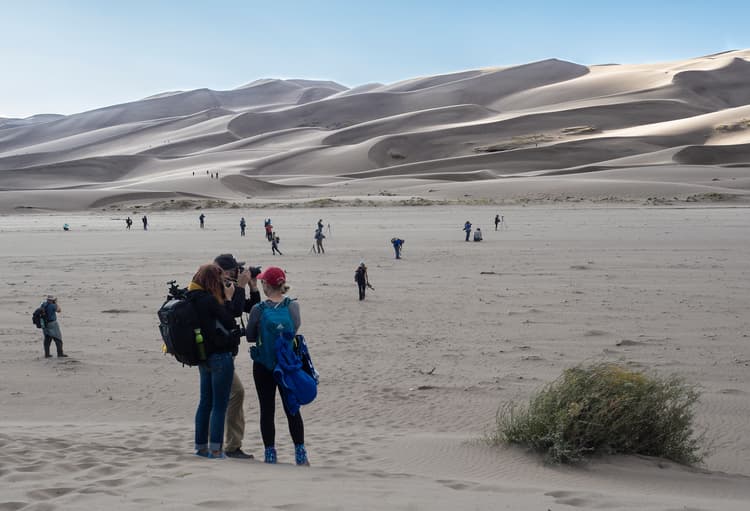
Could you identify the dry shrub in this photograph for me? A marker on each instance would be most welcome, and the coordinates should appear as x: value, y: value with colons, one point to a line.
x: 604, y: 408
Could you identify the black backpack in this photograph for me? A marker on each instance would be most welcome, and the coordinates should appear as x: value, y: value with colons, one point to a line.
x: 177, y: 324
x: 39, y: 316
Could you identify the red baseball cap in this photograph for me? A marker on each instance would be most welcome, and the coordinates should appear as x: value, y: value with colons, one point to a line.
x: 273, y: 275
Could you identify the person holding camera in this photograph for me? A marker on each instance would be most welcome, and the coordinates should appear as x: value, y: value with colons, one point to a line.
x: 51, y: 328
x: 211, y: 299
x: 235, y: 273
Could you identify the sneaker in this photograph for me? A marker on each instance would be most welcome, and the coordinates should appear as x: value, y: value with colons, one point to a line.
x: 216, y: 455
x: 300, y: 456
x: 62, y: 355
x: 239, y: 454
x: 203, y: 453
x: 270, y: 455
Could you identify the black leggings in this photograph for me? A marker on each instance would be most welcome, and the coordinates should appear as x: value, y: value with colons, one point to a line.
x: 265, y: 385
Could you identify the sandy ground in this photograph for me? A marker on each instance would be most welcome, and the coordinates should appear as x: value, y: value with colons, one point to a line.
x: 411, y: 377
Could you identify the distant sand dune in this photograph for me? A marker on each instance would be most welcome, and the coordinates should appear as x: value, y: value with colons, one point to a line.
x: 537, y: 120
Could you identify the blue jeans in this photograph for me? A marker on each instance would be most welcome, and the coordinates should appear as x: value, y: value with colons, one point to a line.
x: 216, y: 382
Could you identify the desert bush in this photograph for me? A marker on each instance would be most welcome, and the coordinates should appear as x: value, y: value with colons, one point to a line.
x: 604, y: 408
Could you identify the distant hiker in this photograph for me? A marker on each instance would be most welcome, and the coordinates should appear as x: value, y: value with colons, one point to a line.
x: 128, y: 223
x: 320, y: 225
x: 145, y: 222
x: 478, y: 234
x: 193, y: 172
x: 397, y: 244
x: 467, y: 228
x: 217, y: 174
x: 212, y: 175
x: 362, y: 279
x: 269, y: 231
x: 242, y: 226
x: 497, y: 221
x: 273, y: 321
x: 51, y: 328
x: 319, y: 237
x: 209, y: 296
x: 275, y: 245
x: 202, y: 219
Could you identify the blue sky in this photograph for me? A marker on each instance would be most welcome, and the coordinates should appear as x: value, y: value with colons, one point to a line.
x: 68, y: 56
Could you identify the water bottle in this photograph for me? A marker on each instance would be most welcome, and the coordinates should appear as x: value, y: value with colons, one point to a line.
x: 199, y: 342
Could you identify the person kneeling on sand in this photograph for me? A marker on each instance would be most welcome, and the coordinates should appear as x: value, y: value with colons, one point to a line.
x: 478, y: 234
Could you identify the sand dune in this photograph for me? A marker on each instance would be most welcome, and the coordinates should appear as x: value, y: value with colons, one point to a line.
x: 537, y: 119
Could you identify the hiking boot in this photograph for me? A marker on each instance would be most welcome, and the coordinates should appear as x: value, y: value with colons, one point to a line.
x: 270, y: 455
x: 239, y: 454
x: 300, y: 456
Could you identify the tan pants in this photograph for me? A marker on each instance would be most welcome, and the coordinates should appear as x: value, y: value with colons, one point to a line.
x: 235, y: 423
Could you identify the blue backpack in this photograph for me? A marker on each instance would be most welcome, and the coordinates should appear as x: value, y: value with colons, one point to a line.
x: 294, y: 372
x: 274, y: 322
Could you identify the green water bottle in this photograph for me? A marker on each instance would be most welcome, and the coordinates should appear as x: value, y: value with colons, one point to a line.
x: 199, y: 342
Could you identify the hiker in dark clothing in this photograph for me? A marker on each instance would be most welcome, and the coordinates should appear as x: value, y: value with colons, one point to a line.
x: 145, y: 222
x: 128, y: 223
x: 497, y: 221
x: 242, y: 226
x: 51, y: 328
x: 235, y: 423
x: 319, y: 237
x: 275, y: 245
x: 202, y: 219
x: 362, y: 279
x: 467, y: 228
x: 397, y: 244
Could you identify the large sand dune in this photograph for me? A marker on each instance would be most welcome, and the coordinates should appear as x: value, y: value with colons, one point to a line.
x: 475, y: 126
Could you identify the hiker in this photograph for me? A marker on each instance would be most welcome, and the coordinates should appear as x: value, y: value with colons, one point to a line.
x: 498, y: 220
x: 278, y: 314
x: 202, y: 219
x: 467, y: 228
x: 275, y: 245
x: 234, y: 272
x: 145, y: 223
x: 242, y: 226
x: 319, y: 237
x: 51, y: 328
x: 397, y: 244
x: 128, y: 223
x: 362, y: 279
x: 210, y: 298
x: 478, y: 234
x: 269, y: 231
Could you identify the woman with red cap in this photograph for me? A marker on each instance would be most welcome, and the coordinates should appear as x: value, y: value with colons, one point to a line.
x: 277, y: 319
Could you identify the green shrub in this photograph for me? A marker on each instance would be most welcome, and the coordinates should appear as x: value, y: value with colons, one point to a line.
x: 604, y: 408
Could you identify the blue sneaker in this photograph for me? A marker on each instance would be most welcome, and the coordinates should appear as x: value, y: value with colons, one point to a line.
x: 300, y: 455
x: 203, y: 453
x: 270, y: 455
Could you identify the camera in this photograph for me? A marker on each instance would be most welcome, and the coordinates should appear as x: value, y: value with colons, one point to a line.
x: 254, y: 270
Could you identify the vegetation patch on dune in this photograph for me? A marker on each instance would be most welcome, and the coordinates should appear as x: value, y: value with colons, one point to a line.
x: 604, y: 408
x: 734, y: 126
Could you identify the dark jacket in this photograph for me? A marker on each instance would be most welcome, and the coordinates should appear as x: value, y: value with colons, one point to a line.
x: 220, y: 332
x: 240, y: 304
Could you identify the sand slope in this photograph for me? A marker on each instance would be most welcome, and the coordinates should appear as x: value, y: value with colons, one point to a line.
x: 475, y: 125
x: 411, y: 377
